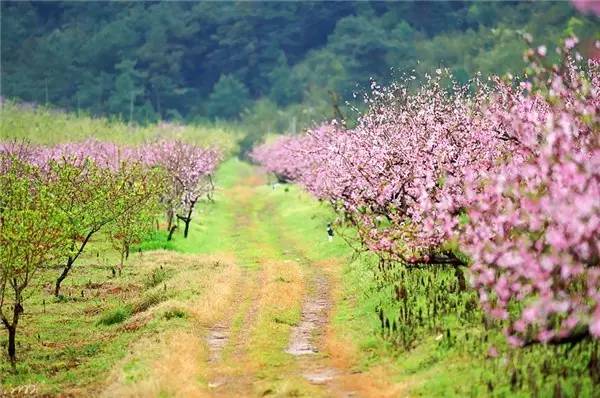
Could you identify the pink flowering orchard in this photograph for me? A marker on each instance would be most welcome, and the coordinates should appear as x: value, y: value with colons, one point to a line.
x: 187, y: 167
x: 102, y: 185
x: 534, y: 223
x: 502, y: 177
x: 189, y: 170
x: 55, y: 199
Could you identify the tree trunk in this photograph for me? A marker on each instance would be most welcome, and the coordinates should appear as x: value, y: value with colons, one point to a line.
x: 120, y: 267
x: 62, y: 276
x: 12, y: 346
x: 187, y: 227
x: 171, y: 231
x: 71, y: 261
x: 188, y: 219
x: 11, y: 328
x: 169, y: 219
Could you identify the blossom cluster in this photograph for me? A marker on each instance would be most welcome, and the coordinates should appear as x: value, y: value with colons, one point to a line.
x: 187, y: 166
x: 507, y: 173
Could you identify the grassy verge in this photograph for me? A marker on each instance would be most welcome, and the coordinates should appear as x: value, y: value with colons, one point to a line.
x: 69, y: 344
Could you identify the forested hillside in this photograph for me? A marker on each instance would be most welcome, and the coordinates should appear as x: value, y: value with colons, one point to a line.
x: 273, y: 64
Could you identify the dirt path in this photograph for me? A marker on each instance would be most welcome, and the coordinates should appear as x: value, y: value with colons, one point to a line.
x: 303, y: 340
x: 308, y: 339
x: 272, y: 336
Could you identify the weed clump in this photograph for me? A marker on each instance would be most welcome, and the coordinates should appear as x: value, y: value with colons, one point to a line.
x: 157, y: 276
x: 174, y: 313
x: 149, y: 300
x: 114, y: 316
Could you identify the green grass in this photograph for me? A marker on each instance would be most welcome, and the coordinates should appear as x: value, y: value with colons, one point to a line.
x: 157, y: 240
x: 115, y: 316
x: 48, y: 126
x: 213, y: 221
x: 73, y: 343
x: 157, y: 276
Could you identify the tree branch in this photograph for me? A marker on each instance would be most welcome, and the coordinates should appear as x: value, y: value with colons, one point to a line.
x: 577, y: 336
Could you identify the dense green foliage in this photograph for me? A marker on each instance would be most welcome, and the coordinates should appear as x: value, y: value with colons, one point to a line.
x: 148, y: 61
x: 30, y: 238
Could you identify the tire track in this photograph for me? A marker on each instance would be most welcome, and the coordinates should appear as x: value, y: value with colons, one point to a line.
x: 307, y: 340
x: 229, y: 343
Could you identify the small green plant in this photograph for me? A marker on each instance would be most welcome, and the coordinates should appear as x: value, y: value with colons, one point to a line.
x: 174, y: 313
x: 114, y: 316
x: 157, y: 240
x: 149, y: 300
x: 157, y: 276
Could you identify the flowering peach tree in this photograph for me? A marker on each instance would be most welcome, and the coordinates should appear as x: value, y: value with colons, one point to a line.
x: 502, y: 177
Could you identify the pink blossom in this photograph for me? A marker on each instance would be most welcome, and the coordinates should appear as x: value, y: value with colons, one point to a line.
x: 595, y: 323
x: 591, y: 6
x: 513, y: 175
x: 541, y: 50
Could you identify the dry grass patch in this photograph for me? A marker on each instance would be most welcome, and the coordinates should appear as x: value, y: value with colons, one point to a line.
x: 279, y: 308
x: 176, y: 365
x: 173, y: 363
x: 254, y: 362
x: 279, y: 311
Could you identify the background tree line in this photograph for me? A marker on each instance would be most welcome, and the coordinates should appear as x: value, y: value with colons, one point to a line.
x: 271, y: 64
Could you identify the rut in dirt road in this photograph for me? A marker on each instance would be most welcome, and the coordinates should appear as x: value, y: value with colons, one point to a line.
x: 307, y: 338
x: 304, y: 340
x: 217, y: 339
x: 313, y: 320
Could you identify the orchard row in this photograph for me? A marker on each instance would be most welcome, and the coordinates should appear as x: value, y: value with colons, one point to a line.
x: 501, y: 177
x: 54, y: 200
